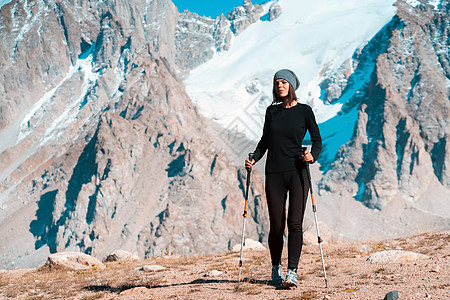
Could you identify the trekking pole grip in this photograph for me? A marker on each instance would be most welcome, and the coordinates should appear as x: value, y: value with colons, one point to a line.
x: 250, y: 158
x: 308, y: 173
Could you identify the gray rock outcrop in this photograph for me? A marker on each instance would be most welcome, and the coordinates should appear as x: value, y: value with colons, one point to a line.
x: 74, y: 261
x: 249, y: 244
x: 121, y: 255
x: 395, y: 256
x: 274, y: 11
x: 310, y: 234
x: 243, y: 16
x: 198, y: 38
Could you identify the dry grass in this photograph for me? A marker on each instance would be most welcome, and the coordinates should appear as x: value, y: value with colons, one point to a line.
x: 93, y: 297
x: 307, y: 295
x: 59, y: 282
x: 349, y: 276
x: 248, y: 288
x: 4, y: 280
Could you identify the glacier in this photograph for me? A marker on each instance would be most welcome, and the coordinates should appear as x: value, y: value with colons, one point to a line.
x: 235, y: 87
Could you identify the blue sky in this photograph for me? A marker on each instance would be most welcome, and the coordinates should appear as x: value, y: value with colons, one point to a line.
x: 210, y: 8
x: 202, y: 7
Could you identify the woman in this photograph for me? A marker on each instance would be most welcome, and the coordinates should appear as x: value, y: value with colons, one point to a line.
x: 285, y: 126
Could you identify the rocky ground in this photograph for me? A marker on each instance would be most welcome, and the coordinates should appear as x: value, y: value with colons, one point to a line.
x: 350, y: 273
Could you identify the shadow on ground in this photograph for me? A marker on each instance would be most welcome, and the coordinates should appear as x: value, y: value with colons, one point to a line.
x: 121, y: 288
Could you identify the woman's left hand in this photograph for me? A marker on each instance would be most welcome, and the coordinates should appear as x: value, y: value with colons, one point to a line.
x: 307, y: 157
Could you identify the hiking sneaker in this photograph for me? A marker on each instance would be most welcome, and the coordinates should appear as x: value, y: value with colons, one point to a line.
x: 291, y: 278
x: 277, y: 275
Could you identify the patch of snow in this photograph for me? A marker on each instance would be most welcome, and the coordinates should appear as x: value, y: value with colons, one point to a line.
x: 37, y: 110
x: 436, y: 3
x: 413, y: 3
x: 69, y: 115
x: 25, y: 128
x: 266, y: 8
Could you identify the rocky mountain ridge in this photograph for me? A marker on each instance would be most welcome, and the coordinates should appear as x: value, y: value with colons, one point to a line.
x: 109, y: 151
x: 198, y: 38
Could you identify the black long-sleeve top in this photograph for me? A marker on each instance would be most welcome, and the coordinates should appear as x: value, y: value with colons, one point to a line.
x: 283, y: 133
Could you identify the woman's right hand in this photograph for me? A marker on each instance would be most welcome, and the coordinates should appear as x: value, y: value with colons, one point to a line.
x: 249, y: 164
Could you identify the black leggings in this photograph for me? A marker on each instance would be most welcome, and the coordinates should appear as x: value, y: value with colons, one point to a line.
x: 277, y: 187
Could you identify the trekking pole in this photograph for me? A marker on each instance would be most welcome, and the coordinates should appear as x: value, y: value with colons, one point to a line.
x: 319, y: 239
x: 249, y: 171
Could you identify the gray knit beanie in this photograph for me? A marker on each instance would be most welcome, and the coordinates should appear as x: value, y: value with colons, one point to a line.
x: 289, y: 76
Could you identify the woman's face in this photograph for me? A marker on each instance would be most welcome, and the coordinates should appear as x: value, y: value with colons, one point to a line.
x: 282, y: 87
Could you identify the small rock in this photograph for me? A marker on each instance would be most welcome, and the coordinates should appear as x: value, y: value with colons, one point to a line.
x: 74, y: 261
x: 391, y: 295
x: 395, y: 256
x: 213, y: 273
x: 121, y: 255
x: 434, y: 268
x: 136, y: 290
x: 249, y: 244
x: 151, y: 268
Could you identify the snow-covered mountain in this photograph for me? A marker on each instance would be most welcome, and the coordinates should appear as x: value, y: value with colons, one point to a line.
x: 336, y: 50
x: 235, y: 86
x: 101, y: 147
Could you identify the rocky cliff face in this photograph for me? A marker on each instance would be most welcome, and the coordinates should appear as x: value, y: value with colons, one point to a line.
x: 399, y: 84
x: 101, y: 147
x: 198, y: 38
x: 243, y: 16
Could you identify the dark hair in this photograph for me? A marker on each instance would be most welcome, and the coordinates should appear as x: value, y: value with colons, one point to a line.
x: 291, y: 96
